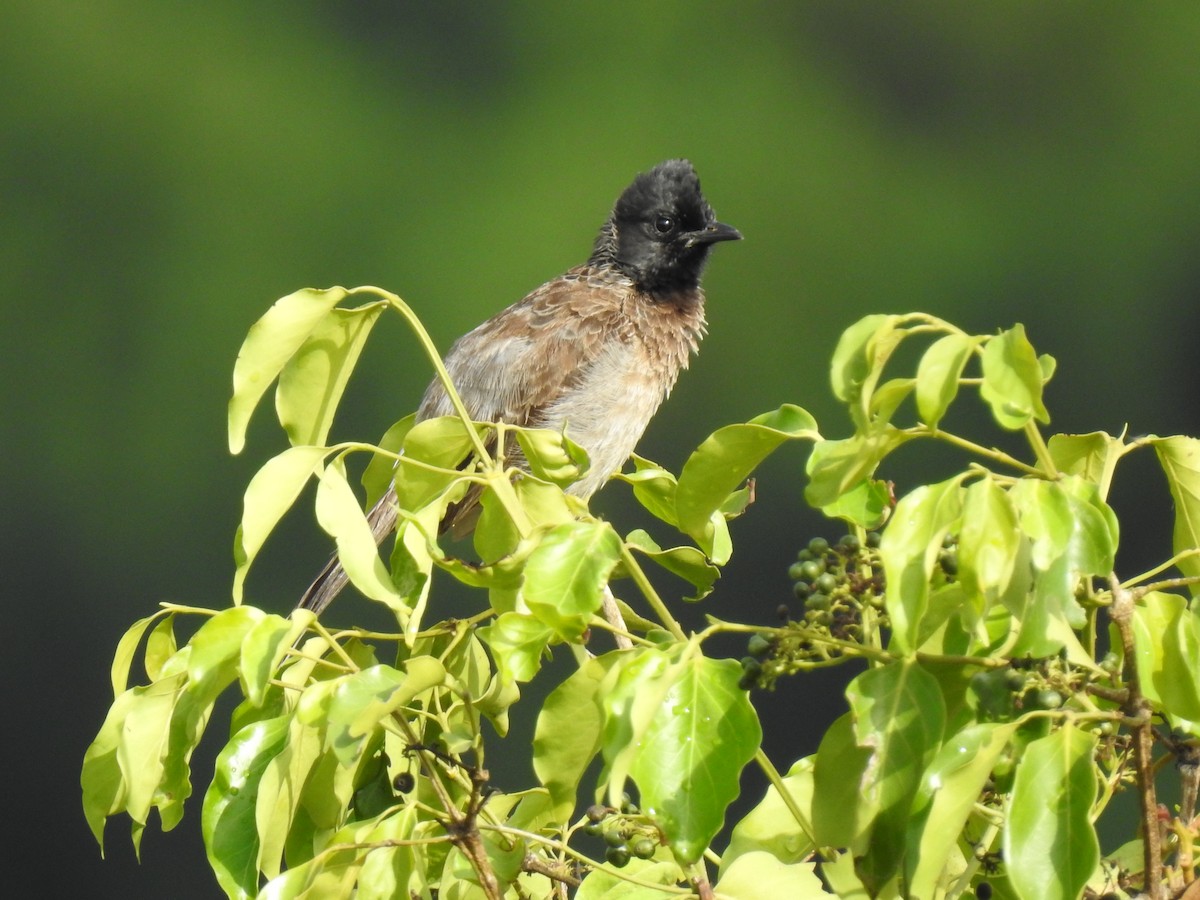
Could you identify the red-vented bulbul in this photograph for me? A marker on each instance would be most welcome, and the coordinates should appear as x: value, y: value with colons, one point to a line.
x: 596, y: 350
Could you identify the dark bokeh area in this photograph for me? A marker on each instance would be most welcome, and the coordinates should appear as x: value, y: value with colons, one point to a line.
x: 168, y: 170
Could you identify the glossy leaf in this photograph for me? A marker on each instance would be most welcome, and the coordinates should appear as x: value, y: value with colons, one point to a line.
x: 899, y: 715
x: 103, y: 784
x: 270, y: 494
x: 160, y: 647
x: 887, y: 399
x: 858, y: 361
x: 1085, y: 455
x: 1180, y: 461
x: 264, y: 648
x: 362, y: 700
x: 1013, y: 379
x: 757, y: 874
x: 686, y: 562
x: 938, y: 373
x: 691, y: 751
x: 770, y: 827
x: 315, y: 376
x: 442, y: 445
x: 568, y: 733
x: 987, y: 540
x: 283, y: 779
x: 724, y: 460
x: 1166, y: 635
x: 654, y: 487
x: 518, y: 642
x: 838, y: 467
x: 126, y: 648
x: 270, y: 343
x: 948, y: 792
x: 605, y: 884
x: 227, y: 820
x: 839, y: 819
x: 1050, y: 846
x: 566, y: 573
x: 377, y: 476
x: 552, y: 456
x: 339, y: 514
x: 909, y: 551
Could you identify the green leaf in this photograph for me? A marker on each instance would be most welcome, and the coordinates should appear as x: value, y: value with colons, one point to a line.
x: 1180, y: 461
x: 103, y: 784
x: 160, y: 647
x: 264, y: 648
x: 566, y: 573
x: 517, y: 642
x: 605, y: 884
x: 866, y: 504
x: 909, y: 551
x: 143, y: 744
x: 1166, y: 635
x: 285, y: 775
x: 443, y: 444
x: 1044, y: 510
x: 1085, y: 455
x: 987, y: 541
x: 1050, y: 846
x: 568, y: 733
x: 552, y: 456
x: 270, y: 343
x: 126, y: 647
x: 858, y: 360
x: 938, y: 373
x: 271, y: 493
x: 362, y: 700
x: 771, y: 827
x: 653, y: 487
x: 686, y: 562
x: 887, y: 399
x: 757, y: 874
x: 227, y: 821
x: 723, y: 461
x: 899, y: 715
x: 339, y: 514
x: 838, y: 467
x: 838, y: 818
x: 314, y: 378
x: 948, y: 792
x: 1012, y: 379
x: 377, y: 476
x: 692, y: 751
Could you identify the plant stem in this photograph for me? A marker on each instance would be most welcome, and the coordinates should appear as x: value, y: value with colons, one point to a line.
x: 978, y: 449
x: 1040, y: 450
x: 773, y: 776
x: 651, y: 595
x: 1137, y: 707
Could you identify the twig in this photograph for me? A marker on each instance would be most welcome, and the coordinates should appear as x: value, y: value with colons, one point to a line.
x: 1137, y: 707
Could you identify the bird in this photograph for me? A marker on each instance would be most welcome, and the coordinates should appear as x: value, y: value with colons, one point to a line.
x: 593, y: 352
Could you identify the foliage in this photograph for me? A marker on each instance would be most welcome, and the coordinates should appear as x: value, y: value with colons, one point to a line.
x: 1012, y: 689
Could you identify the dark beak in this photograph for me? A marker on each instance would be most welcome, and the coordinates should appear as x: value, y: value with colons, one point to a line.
x: 717, y: 231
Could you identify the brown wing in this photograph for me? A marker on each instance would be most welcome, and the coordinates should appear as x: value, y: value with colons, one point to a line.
x: 509, y: 369
x: 515, y: 364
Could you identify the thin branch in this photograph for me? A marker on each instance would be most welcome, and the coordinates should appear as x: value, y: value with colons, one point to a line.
x: 1137, y: 707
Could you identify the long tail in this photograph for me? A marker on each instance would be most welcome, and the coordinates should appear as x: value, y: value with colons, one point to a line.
x: 332, y: 579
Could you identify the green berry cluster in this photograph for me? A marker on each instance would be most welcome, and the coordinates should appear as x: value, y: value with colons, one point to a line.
x: 834, y: 584
x: 835, y: 581
x: 625, y: 832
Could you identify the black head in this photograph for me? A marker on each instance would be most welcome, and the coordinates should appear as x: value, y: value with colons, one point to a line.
x: 661, y: 230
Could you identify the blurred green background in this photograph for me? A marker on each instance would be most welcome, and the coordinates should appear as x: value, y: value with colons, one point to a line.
x: 168, y: 170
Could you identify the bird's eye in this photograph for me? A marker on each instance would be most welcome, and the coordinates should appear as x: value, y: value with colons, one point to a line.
x: 664, y: 224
